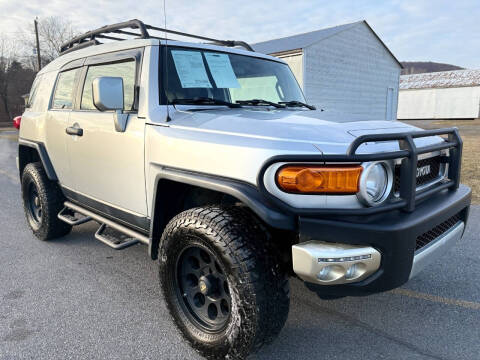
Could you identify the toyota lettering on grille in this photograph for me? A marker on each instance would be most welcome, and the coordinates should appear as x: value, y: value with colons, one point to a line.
x: 422, y: 171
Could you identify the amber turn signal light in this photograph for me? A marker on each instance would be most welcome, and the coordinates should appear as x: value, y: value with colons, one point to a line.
x: 326, y: 179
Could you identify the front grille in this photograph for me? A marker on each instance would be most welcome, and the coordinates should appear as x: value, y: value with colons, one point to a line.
x: 437, y: 231
x: 435, y: 167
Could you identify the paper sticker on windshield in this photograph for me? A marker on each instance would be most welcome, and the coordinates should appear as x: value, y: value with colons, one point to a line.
x: 190, y: 69
x: 221, y: 70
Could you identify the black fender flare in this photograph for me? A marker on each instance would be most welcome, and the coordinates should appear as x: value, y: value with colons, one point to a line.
x: 246, y: 193
x: 42, y: 153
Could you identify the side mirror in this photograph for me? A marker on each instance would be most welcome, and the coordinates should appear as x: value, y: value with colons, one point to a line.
x: 108, y: 95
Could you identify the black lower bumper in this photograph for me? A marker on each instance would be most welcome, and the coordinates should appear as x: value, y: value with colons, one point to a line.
x: 394, y: 234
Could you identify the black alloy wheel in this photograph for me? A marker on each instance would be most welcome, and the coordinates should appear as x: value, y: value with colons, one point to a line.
x: 34, y: 205
x: 203, y: 288
x: 222, y: 280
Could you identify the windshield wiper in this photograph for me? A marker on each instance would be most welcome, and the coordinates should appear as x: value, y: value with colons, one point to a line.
x: 259, y: 102
x: 204, y: 101
x: 298, y: 104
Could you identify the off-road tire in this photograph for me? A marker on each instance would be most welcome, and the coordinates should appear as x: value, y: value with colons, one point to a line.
x: 50, y: 199
x: 258, y: 285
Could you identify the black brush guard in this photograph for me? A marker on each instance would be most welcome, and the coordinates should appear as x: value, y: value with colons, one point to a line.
x: 409, y: 152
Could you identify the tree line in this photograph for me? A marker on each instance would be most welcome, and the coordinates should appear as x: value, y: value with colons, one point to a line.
x: 18, y: 61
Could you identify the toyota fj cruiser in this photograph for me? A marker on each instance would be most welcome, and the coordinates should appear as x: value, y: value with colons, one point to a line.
x: 209, y: 155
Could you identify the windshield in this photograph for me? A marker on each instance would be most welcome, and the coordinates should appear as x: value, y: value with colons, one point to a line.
x: 194, y: 73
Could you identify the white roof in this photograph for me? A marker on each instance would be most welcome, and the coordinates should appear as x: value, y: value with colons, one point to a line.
x: 299, y: 41
x: 442, y: 79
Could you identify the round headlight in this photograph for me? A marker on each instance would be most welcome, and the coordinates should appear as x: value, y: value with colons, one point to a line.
x: 375, y: 183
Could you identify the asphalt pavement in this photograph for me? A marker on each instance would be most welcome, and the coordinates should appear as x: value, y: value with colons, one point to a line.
x: 75, y: 298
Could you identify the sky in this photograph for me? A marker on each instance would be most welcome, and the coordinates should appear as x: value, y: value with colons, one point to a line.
x: 420, y: 30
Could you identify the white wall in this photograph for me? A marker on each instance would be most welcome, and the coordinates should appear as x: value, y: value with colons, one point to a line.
x: 348, y: 75
x: 447, y: 103
x: 295, y: 61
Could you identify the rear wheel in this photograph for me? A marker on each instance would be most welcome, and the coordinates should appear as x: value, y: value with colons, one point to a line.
x: 222, y: 281
x: 42, y: 201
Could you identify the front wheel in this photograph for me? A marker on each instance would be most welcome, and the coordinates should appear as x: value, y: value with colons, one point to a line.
x: 222, y: 282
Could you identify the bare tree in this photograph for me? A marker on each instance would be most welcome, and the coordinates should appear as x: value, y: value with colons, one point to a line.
x: 18, y: 63
x: 7, y: 57
x: 53, y: 32
x: 15, y: 80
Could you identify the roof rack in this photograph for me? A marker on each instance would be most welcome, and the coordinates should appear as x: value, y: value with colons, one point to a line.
x: 120, y: 30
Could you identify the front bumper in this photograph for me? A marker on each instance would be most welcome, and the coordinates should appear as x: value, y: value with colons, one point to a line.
x: 437, y: 248
x: 394, y: 235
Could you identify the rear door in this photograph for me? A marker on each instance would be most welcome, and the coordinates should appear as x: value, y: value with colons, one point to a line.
x: 57, y: 120
x: 108, y: 166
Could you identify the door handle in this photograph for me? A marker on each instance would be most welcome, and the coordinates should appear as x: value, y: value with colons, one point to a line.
x: 72, y: 130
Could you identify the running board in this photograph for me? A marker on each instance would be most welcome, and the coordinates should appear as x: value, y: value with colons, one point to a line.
x: 104, y: 233
x: 113, y: 238
x: 68, y: 216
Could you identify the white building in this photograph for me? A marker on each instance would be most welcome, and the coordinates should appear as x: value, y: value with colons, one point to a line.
x: 440, y: 95
x: 345, y: 70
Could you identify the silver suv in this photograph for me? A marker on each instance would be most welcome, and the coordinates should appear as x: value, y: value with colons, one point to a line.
x: 209, y: 155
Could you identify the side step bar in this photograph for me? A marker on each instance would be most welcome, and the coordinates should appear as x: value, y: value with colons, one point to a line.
x: 68, y: 216
x: 113, y: 238
x: 103, y: 234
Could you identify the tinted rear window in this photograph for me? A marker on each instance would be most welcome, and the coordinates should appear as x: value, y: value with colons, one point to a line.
x: 63, y: 98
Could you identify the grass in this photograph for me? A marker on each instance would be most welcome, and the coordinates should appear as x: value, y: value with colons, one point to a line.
x: 470, y: 132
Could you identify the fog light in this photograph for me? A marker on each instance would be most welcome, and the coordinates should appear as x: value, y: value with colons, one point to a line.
x: 355, y: 271
x: 351, y: 271
x: 329, y: 263
x: 331, y: 273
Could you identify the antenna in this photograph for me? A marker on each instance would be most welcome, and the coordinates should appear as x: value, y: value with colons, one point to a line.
x: 166, y: 59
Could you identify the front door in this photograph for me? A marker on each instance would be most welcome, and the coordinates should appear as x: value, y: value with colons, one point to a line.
x: 108, y: 166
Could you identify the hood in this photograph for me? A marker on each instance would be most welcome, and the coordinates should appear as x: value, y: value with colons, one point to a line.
x: 296, y: 126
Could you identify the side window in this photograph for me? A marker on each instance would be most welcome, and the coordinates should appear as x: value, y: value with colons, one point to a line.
x: 125, y: 70
x: 63, y: 98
